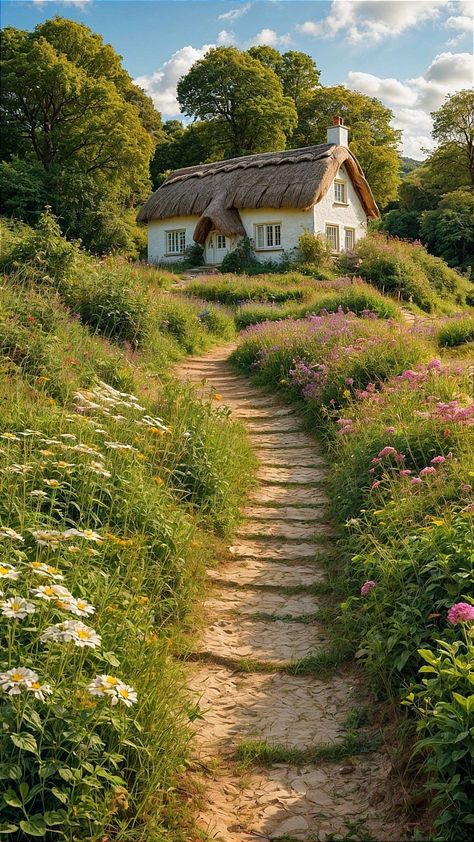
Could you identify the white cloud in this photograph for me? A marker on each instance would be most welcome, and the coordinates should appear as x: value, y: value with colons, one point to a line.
x: 459, y: 22
x: 234, y: 14
x: 225, y: 38
x: 412, y: 99
x: 161, y: 85
x: 81, y: 4
x: 270, y: 38
x: 372, y: 20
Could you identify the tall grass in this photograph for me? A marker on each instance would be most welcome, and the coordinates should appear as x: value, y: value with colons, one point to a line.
x: 115, y: 483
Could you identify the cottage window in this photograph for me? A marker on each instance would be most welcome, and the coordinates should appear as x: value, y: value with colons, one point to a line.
x: 340, y: 194
x: 176, y: 241
x: 332, y: 236
x: 349, y: 237
x: 221, y: 244
x: 268, y: 236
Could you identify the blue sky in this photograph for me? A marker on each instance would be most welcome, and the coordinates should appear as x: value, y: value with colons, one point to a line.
x: 409, y: 53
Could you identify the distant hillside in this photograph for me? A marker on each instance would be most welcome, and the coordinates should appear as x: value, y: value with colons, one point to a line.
x: 408, y: 164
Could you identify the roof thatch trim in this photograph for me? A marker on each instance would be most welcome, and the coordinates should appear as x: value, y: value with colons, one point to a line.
x: 296, y: 178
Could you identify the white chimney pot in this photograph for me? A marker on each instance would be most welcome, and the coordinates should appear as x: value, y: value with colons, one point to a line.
x: 338, y: 133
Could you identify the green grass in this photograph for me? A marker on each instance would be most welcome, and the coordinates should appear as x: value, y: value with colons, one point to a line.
x: 456, y: 332
x: 263, y: 753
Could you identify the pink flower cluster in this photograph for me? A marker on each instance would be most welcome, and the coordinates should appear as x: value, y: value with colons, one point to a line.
x: 367, y: 587
x: 461, y: 612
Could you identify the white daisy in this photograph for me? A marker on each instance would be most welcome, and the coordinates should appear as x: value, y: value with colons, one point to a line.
x: 47, y: 537
x: 7, y: 571
x: 15, y: 680
x: 44, y: 569
x: 38, y: 493
x: 6, y: 532
x: 39, y: 690
x: 125, y: 694
x: 98, y: 468
x: 87, y: 534
x: 9, y: 437
x: 79, y: 607
x: 72, y: 631
x: 116, y: 445
x: 17, y: 608
x: 51, y: 592
x: 114, y: 689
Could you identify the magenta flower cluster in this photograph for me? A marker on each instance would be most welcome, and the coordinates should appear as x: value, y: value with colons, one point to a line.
x: 461, y: 612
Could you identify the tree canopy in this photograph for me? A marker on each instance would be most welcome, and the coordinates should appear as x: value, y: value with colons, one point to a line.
x: 454, y: 124
x: 68, y: 106
x: 241, y: 98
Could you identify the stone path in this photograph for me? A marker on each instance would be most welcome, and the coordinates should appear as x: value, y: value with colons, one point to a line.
x: 253, y: 616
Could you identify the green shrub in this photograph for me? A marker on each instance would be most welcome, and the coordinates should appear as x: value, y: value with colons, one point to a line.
x: 42, y: 254
x: 241, y: 258
x: 313, y: 250
x: 110, y: 306
x: 388, y: 264
x: 194, y: 255
x: 456, y: 332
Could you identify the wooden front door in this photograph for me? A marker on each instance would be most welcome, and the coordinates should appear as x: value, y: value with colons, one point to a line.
x: 217, y: 246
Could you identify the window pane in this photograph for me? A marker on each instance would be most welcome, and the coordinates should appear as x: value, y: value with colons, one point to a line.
x: 349, y: 239
x: 277, y: 235
x: 269, y: 236
x: 220, y: 241
x: 339, y: 191
x: 332, y: 235
x: 260, y: 236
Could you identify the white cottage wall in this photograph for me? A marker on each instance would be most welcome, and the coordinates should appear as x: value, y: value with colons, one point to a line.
x: 293, y: 223
x: 157, y: 241
x: 350, y: 215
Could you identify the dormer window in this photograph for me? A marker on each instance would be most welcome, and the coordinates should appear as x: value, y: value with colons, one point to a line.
x: 340, y: 192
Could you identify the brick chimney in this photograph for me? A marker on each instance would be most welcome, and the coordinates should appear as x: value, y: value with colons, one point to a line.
x: 338, y: 132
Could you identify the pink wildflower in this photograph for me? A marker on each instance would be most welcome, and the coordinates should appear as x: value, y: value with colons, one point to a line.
x: 466, y: 487
x: 468, y: 508
x: 390, y: 430
x: 434, y: 364
x: 387, y: 451
x: 405, y: 473
x: 367, y: 586
x: 461, y: 612
x: 438, y: 460
x: 375, y: 484
x: 426, y: 471
x: 416, y: 481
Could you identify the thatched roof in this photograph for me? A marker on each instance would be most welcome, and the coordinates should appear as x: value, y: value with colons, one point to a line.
x: 296, y: 178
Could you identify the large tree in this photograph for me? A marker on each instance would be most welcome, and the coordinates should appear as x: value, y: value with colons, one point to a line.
x: 242, y: 99
x: 297, y: 71
x: 184, y: 147
x: 372, y: 138
x: 454, y: 124
x: 73, y: 117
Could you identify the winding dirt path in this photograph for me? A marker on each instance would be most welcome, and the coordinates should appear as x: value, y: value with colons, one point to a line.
x: 263, y: 607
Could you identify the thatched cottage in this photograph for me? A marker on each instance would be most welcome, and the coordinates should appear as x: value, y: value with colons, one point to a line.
x: 271, y: 197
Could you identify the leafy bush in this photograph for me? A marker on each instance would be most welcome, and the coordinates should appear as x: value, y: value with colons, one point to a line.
x: 232, y: 290
x: 313, y: 250
x: 456, y: 332
x: 110, y: 306
x: 241, y: 258
x: 42, y: 254
x: 194, y: 255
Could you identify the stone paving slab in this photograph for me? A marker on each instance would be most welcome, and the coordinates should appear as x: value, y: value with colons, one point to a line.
x: 272, y: 640
x: 274, y: 549
x: 302, y: 803
x: 260, y: 602
x: 253, y: 571
x: 293, y: 475
x: 290, y: 423
x: 302, y: 513
x: 263, y: 412
x: 282, y: 529
x: 283, y: 494
x: 288, y: 710
x: 280, y: 440
x: 305, y: 457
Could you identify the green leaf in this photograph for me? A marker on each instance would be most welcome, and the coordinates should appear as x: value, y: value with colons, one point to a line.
x: 65, y: 773
x: 11, y: 798
x: 6, y: 827
x: 61, y: 796
x: 34, y: 826
x: 53, y: 817
x: 25, y: 741
x: 111, y: 659
x: 24, y: 790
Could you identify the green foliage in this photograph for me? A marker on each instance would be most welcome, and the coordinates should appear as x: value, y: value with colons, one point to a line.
x: 241, y: 258
x: 408, y: 272
x: 242, y: 99
x: 401, y: 223
x: 194, y: 255
x: 43, y: 255
x: 78, y: 134
x: 107, y: 445
x: 314, y: 250
x: 456, y: 332
x: 444, y: 704
x: 372, y: 138
x: 449, y: 229
x: 453, y: 123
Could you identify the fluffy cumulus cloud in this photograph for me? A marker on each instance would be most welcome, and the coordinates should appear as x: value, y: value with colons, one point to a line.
x: 461, y: 17
x: 81, y: 4
x: 373, y: 20
x: 225, y: 38
x: 234, y: 14
x: 161, y: 85
x: 412, y: 99
x: 270, y: 38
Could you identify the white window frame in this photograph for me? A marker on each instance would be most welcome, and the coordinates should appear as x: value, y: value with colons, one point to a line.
x: 339, y: 183
x: 348, y: 230
x: 337, y: 238
x: 175, y: 241
x: 267, y: 236
x: 221, y: 242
